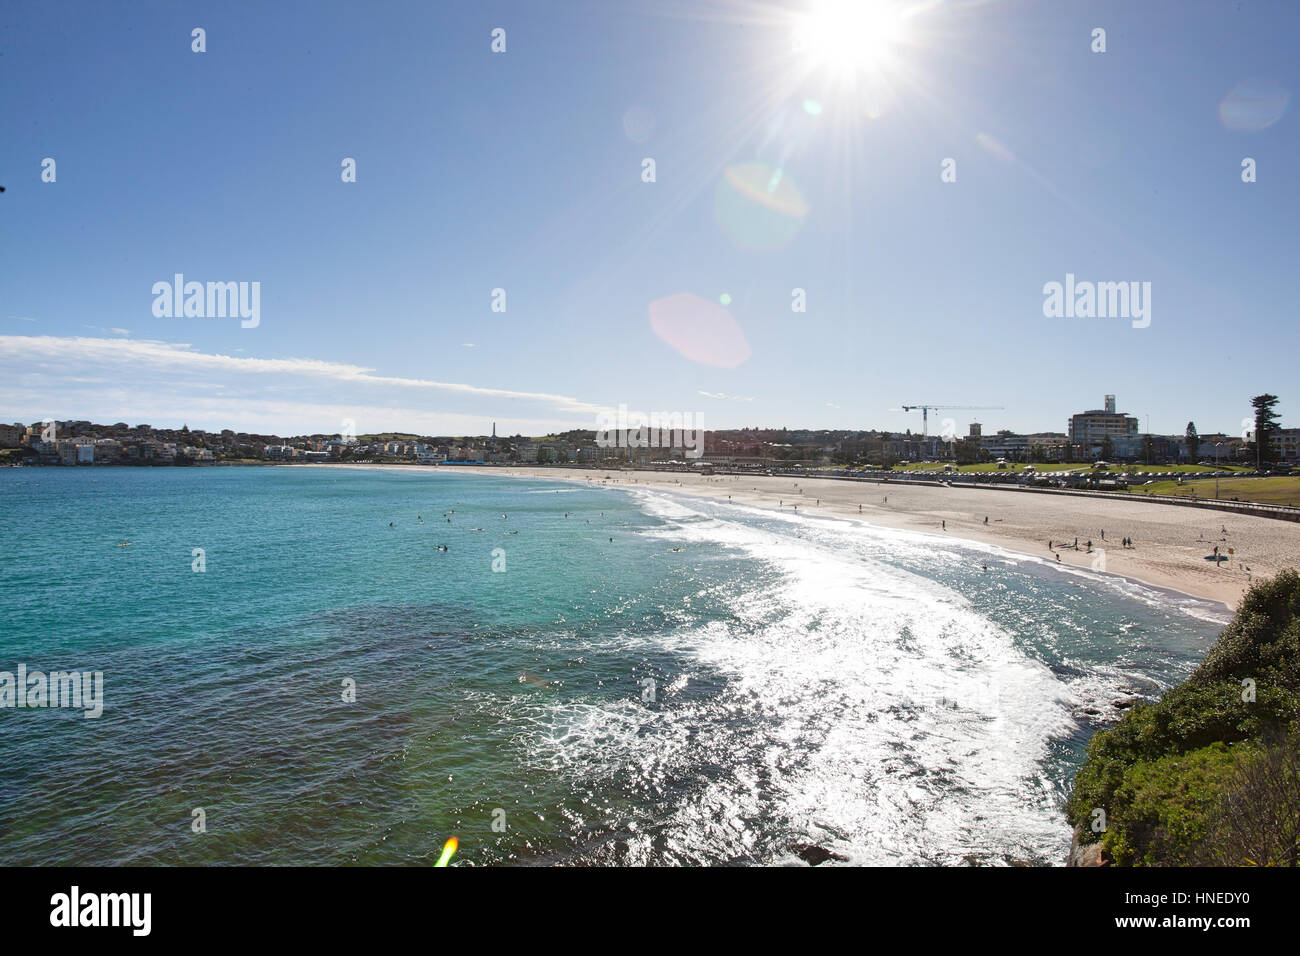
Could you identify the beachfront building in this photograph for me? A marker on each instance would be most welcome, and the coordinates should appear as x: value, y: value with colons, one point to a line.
x: 1286, y: 444
x: 1048, y: 446
x: 1091, y: 428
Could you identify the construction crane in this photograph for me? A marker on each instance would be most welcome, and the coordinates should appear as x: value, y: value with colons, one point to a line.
x: 925, y: 412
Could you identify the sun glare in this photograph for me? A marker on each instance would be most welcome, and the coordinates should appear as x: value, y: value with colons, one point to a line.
x: 850, y: 35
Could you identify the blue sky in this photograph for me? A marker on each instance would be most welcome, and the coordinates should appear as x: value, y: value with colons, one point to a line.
x: 522, y: 170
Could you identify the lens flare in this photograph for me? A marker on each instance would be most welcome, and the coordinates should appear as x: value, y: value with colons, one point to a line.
x: 701, y: 330
x: 758, y: 207
x: 1253, y: 105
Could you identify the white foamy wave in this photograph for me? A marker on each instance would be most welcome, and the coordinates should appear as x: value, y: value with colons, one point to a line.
x: 867, y: 707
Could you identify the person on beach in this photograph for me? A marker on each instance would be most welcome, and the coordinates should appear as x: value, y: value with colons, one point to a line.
x: 945, y: 525
x: 1090, y: 546
x: 986, y: 519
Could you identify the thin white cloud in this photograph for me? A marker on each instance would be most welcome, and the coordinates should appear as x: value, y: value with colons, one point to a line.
x: 723, y: 396
x: 167, y: 383
x: 134, y: 354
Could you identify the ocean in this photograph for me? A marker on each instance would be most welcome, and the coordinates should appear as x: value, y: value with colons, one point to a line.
x: 585, y: 676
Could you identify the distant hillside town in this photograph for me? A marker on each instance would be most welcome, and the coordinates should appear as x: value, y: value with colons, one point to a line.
x: 1099, y: 434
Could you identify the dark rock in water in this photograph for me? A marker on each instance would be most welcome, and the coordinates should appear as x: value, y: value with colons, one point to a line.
x: 1125, y: 703
x: 1093, y: 711
x: 815, y: 855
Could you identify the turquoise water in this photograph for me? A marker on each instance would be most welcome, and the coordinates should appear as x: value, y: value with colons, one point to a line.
x: 713, y: 685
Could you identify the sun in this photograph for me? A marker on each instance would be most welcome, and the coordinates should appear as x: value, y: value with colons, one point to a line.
x: 850, y: 36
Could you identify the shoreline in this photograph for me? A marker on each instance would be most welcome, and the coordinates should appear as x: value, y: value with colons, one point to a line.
x: 1170, y: 544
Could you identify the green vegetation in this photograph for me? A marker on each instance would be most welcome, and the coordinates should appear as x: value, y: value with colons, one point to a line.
x: 1210, y: 773
x: 1277, y: 490
x: 1266, y: 425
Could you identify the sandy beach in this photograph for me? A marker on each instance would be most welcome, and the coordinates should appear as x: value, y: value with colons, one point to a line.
x: 1170, y: 543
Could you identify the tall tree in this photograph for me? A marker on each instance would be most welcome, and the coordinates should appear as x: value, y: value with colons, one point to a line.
x: 1107, y: 449
x: 1266, y: 424
x: 1193, y: 441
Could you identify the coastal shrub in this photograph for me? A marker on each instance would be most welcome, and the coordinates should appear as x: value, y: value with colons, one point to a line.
x: 1123, y: 769
x: 1257, y: 822
x: 1187, y: 718
x: 1262, y: 642
x: 1164, y: 808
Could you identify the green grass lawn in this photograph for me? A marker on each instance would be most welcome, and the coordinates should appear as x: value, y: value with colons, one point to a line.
x: 1270, y: 491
